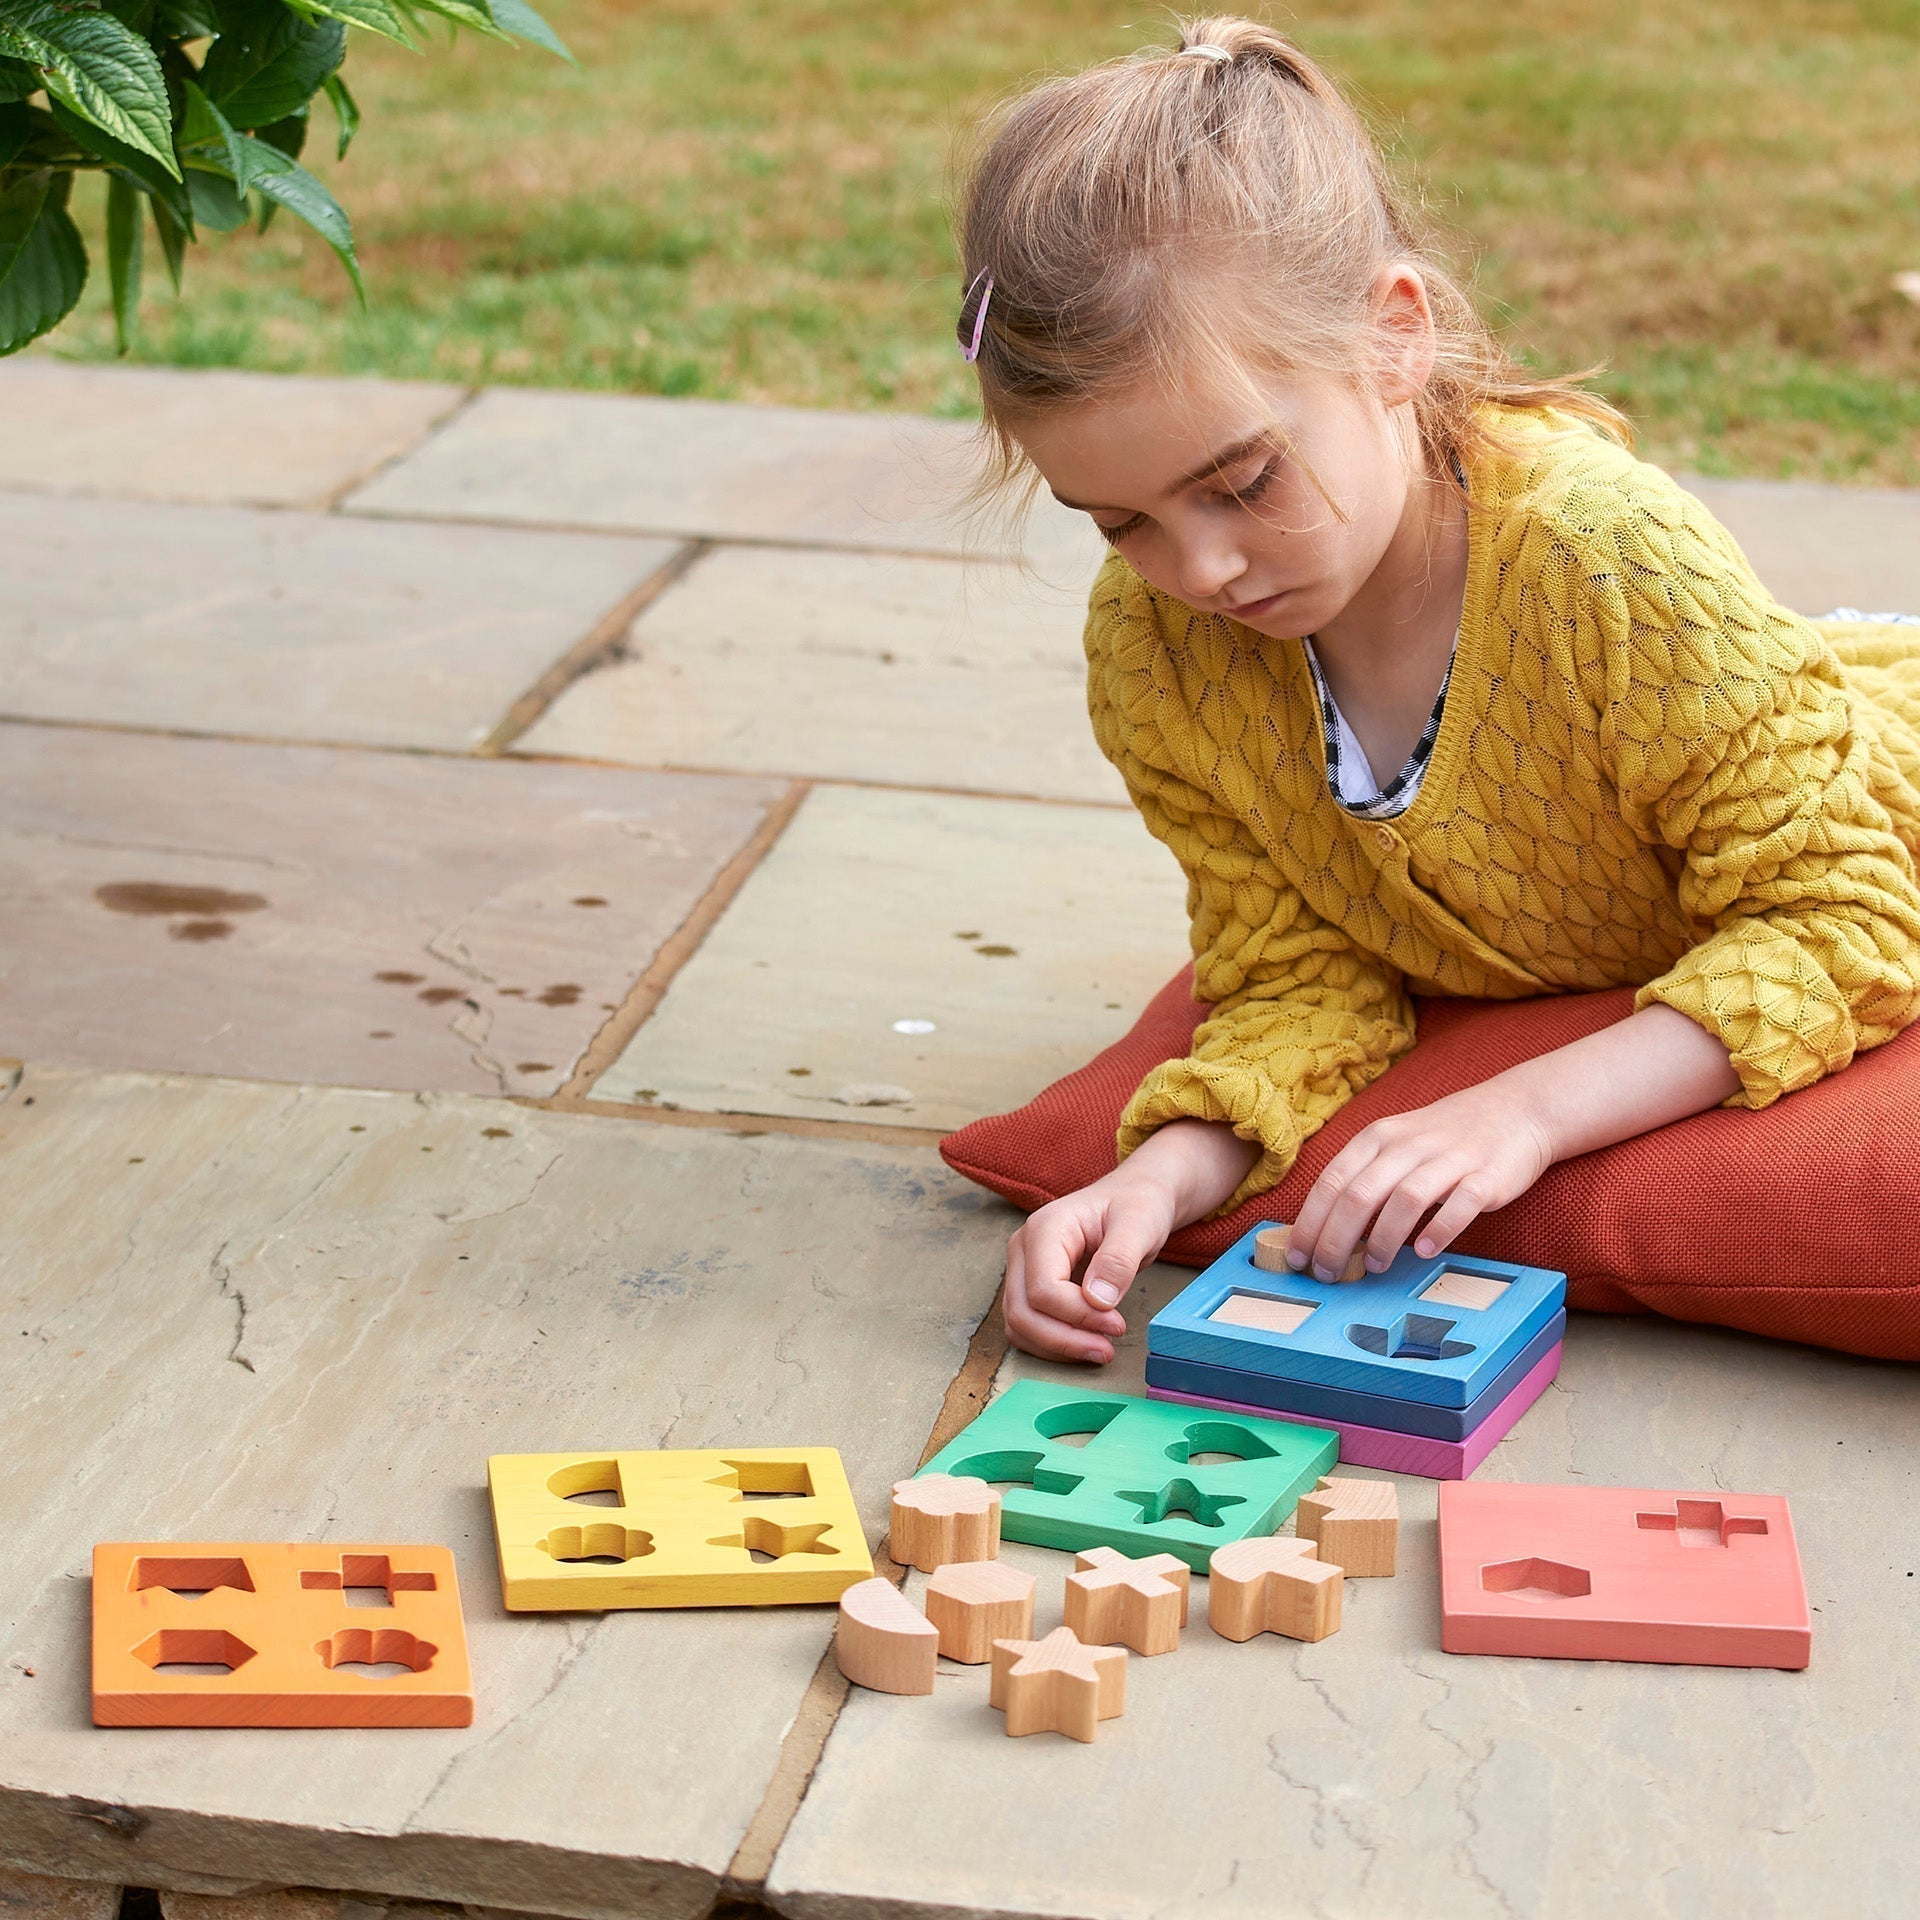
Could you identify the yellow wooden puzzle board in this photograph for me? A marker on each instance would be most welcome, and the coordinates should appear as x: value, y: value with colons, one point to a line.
x: 681, y: 1530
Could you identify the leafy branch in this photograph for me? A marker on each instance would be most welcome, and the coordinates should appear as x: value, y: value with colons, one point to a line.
x: 196, y: 112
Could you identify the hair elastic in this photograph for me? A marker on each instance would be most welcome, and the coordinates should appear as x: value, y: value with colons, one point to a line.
x: 970, y: 347
x: 1207, y: 50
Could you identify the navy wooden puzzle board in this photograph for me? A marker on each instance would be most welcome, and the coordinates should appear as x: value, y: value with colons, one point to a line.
x: 1141, y: 1480
x: 1437, y: 1332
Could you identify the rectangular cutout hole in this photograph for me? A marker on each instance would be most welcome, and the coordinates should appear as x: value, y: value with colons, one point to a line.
x: 1475, y: 1292
x: 772, y: 1479
x: 1270, y: 1313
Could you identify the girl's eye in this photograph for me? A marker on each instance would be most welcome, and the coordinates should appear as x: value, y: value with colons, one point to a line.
x: 1114, y: 534
x: 1250, y: 492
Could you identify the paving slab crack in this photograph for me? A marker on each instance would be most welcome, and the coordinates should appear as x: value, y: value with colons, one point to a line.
x: 223, y: 1285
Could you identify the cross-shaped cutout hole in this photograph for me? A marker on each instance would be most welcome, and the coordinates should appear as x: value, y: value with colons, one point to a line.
x: 1414, y: 1336
x: 1181, y: 1499
x: 367, y: 1580
x: 1700, y: 1523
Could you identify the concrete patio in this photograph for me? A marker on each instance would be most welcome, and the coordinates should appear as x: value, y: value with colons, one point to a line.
x: 500, y: 895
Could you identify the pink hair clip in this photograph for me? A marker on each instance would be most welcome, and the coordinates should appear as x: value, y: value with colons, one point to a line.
x: 970, y: 347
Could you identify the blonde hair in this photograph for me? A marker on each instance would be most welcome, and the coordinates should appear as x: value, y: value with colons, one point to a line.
x: 1111, y: 208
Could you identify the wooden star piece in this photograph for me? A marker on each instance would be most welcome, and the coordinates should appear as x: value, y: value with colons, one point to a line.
x: 1058, y: 1685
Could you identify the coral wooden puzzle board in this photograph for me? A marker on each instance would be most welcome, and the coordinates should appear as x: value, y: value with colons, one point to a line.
x: 270, y: 1626
x: 1134, y: 1484
x: 579, y: 1531
x: 1438, y: 1331
x: 1621, y: 1573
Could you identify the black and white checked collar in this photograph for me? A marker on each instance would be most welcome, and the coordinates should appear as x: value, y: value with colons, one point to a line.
x: 1404, y: 788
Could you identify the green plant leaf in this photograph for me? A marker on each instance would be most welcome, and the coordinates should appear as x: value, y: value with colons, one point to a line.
x: 173, y: 239
x: 124, y: 229
x: 306, y: 199
x: 520, y: 20
x: 16, y: 126
x: 268, y: 61
x: 465, y: 13
x: 43, y: 263
x: 375, y: 15
x: 94, y: 65
x: 146, y: 171
x: 189, y: 19
x: 18, y: 80
x: 346, y: 110
x: 215, y: 203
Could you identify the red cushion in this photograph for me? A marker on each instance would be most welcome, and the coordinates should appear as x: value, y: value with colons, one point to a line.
x: 1802, y: 1222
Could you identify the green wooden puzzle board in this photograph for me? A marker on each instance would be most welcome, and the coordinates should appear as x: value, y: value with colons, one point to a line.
x: 1133, y: 1485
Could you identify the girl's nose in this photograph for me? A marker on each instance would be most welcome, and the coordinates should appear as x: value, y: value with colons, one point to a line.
x: 1208, y: 568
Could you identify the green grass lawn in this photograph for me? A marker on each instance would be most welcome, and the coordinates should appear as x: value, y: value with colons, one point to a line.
x: 745, y: 198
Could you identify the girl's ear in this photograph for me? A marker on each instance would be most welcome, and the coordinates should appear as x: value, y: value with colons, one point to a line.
x: 1404, y: 337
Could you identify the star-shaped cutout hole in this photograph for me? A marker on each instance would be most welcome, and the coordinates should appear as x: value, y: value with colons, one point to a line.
x: 1181, y: 1498
x: 768, y: 1537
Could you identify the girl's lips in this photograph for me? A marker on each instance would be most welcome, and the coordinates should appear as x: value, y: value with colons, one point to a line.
x: 1256, y: 609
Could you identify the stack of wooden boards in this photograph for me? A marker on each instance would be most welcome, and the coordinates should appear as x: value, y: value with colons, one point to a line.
x: 979, y: 1612
x: 1418, y: 1370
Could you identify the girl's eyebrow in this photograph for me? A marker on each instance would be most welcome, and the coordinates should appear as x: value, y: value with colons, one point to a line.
x: 1212, y: 465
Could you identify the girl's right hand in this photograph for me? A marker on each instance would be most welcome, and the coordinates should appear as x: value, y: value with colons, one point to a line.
x: 1071, y: 1264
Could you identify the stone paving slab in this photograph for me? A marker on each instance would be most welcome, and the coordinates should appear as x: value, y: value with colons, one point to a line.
x: 252, y: 1312
x: 846, y: 666
x: 302, y: 626
x: 159, y: 433
x: 1371, y: 1774
x: 368, y: 919
x: 641, y: 465
x: 1028, y: 936
x: 1820, y: 547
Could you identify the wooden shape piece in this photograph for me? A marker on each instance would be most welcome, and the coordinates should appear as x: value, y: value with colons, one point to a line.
x: 258, y: 1634
x: 943, y: 1518
x: 683, y: 1531
x: 1057, y: 1684
x: 973, y: 1603
x: 1270, y: 1255
x: 1476, y: 1292
x: 1621, y: 1573
x: 1140, y: 1603
x: 1273, y: 1586
x: 883, y: 1641
x: 1353, y: 1523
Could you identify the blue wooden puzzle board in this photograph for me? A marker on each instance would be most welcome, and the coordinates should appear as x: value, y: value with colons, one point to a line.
x: 1373, y: 1336
x: 1133, y: 1484
x: 1377, y: 1410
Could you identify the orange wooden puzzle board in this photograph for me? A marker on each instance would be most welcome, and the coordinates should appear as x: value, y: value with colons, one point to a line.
x: 1621, y: 1573
x: 279, y: 1618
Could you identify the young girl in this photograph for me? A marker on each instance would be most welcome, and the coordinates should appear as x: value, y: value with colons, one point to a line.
x: 1427, y: 682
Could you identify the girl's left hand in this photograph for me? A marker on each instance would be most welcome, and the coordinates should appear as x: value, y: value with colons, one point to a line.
x: 1456, y: 1159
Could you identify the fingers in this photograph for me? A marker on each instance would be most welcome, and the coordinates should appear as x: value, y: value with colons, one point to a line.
x: 1046, y: 1311
x: 1311, y: 1244
x: 1464, y: 1205
x: 1130, y: 1241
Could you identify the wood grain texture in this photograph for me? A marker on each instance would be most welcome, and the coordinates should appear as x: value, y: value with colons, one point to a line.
x: 1353, y: 1523
x: 974, y: 1603
x: 1140, y: 1603
x: 1273, y: 1586
x: 942, y: 1518
x: 1057, y: 1685
x: 883, y: 1641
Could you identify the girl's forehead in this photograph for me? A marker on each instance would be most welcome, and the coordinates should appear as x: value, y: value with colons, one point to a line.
x: 1152, y: 440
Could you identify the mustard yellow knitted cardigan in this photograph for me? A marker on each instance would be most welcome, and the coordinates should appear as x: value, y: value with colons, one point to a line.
x: 1647, y: 774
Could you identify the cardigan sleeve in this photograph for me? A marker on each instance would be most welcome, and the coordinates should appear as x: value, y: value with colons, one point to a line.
x: 1738, y: 745
x: 1302, y: 1017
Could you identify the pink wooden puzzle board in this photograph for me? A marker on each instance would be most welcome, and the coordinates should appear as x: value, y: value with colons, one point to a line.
x: 1621, y: 1573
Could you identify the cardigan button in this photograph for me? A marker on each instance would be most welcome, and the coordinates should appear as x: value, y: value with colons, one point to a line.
x: 1387, y: 838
